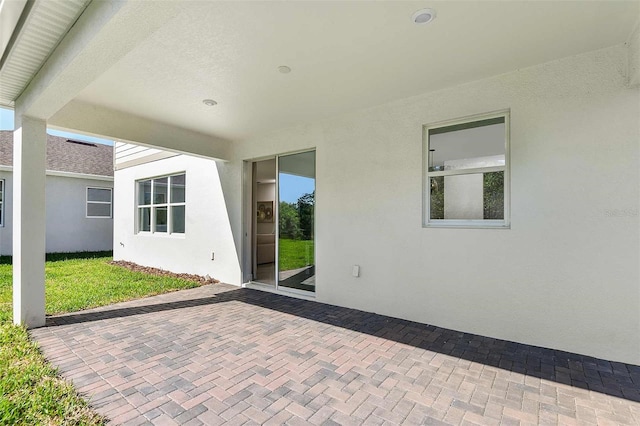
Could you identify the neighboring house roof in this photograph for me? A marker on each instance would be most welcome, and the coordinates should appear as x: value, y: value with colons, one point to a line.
x: 66, y: 155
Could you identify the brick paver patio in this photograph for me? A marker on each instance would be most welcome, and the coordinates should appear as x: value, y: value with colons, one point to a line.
x: 219, y: 354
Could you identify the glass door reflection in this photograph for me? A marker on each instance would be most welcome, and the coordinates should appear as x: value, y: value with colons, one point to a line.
x: 296, y: 220
x: 265, y: 223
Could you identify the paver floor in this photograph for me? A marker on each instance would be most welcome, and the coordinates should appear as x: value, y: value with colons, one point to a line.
x: 220, y: 354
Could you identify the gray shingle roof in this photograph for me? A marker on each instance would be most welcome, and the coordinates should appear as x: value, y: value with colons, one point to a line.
x: 65, y: 155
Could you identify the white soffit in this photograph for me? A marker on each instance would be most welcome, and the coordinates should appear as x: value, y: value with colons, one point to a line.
x: 47, y: 22
x: 10, y: 12
x: 343, y: 56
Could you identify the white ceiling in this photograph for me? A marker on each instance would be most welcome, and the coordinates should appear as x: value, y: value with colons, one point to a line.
x: 344, y: 56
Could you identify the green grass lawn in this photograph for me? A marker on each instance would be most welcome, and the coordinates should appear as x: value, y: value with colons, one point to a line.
x: 31, y: 392
x: 295, y: 254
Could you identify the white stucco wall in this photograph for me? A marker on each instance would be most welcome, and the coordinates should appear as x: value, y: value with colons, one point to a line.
x: 67, y: 227
x: 207, y: 226
x: 464, y: 194
x: 566, y: 275
x: 464, y: 197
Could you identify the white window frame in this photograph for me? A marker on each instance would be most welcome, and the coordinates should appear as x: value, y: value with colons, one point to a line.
x: 110, y: 202
x: 153, y: 206
x: 427, y: 175
x: 3, y: 187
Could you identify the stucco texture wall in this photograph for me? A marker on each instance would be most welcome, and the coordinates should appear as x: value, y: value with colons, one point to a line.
x: 207, y: 226
x: 566, y: 275
x: 67, y: 227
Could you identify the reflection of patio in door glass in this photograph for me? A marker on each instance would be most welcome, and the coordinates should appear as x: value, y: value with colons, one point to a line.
x: 296, y: 217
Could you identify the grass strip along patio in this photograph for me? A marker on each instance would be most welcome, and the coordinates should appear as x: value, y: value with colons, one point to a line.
x: 31, y: 391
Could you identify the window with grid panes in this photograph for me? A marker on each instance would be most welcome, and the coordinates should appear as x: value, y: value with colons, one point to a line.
x: 161, y: 204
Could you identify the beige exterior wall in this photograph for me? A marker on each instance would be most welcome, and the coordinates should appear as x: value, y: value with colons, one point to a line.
x: 67, y: 227
x: 207, y: 228
x: 565, y: 275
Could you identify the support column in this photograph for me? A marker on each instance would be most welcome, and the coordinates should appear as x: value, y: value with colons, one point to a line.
x: 29, y: 164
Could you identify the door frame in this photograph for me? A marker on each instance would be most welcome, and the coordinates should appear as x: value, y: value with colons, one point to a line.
x: 248, y: 225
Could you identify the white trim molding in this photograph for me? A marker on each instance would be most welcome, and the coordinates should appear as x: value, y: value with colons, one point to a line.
x: 88, y: 202
x: 66, y: 174
x: 79, y: 175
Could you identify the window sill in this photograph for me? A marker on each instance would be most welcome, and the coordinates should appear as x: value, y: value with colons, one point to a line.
x: 467, y: 224
x: 174, y: 236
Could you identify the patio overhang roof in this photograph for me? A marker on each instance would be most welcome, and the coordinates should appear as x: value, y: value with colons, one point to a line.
x: 138, y: 71
x: 150, y: 64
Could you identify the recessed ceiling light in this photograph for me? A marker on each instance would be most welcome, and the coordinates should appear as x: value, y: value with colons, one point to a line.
x: 284, y: 69
x: 423, y: 16
x: 209, y: 102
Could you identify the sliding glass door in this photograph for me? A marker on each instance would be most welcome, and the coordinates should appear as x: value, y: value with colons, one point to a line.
x: 296, y: 220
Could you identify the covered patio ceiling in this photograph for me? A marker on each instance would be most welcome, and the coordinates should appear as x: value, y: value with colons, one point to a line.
x: 148, y: 66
